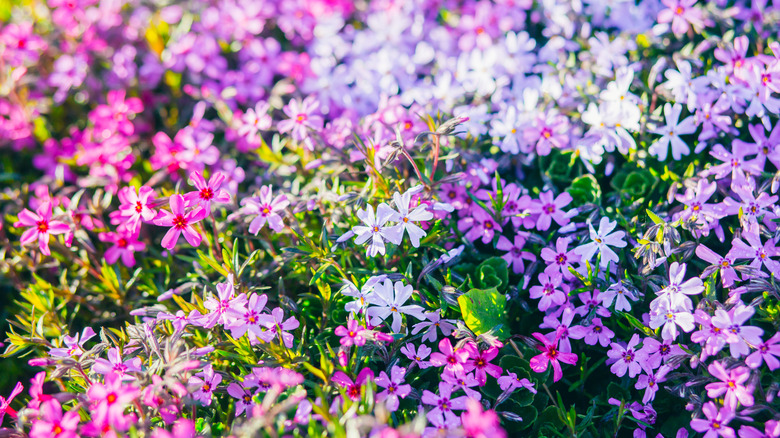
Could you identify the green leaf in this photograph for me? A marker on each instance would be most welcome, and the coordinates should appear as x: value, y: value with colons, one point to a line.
x: 483, y: 310
x: 492, y: 273
x: 654, y: 217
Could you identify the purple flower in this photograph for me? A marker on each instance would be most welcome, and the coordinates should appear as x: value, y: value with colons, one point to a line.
x: 596, y: 332
x: 74, y: 345
x: 279, y: 326
x: 267, y: 208
x: 732, y: 384
x: 464, y: 381
x: 550, y: 355
x: 203, y: 384
x: 560, y: 259
x: 715, y: 423
x: 443, y: 404
x: 302, y: 118
x: 511, y: 381
x: 548, y: 291
x: 389, y: 299
x: 479, y: 225
x: 248, y: 317
x: 515, y: 254
x: 723, y: 264
x: 550, y: 209
x: 626, y: 359
x: 649, y: 382
x: 417, y: 356
x: 657, y: 352
x: 766, y: 352
x: 394, y: 387
x: 739, y: 336
x: 620, y: 295
x: 223, y: 307
x: 682, y: 14
x: 433, y: 320
x: 116, y: 365
x: 243, y: 396
x: 672, y: 131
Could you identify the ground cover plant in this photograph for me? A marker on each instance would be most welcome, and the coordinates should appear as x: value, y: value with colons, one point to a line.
x: 389, y: 218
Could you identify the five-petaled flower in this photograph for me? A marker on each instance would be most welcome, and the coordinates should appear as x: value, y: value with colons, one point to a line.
x: 180, y: 221
x: 42, y: 226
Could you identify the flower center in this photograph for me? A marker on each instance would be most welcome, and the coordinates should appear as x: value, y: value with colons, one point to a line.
x: 207, y: 193
x: 43, y: 226
x: 179, y: 222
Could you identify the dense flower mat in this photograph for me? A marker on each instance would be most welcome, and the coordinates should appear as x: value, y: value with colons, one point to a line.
x: 389, y: 218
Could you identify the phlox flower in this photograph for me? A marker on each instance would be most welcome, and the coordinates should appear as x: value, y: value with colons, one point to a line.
x: 657, y: 352
x: 670, y: 318
x: 738, y: 335
x: 547, y: 131
x: 376, y: 230
x: 715, y: 421
x: 596, y: 332
x: 136, y: 205
x: 351, y: 334
x: 267, y: 208
x: 561, y: 258
x: 406, y: 218
x: 41, y: 226
x: 207, y: 192
x: 453, y: 360
x: 479, y: 362
x: 302, y: 117
x: 512, y: 381
x: 548, y: 291
x: 464, y: 381
x: 550, y: 208
x: 361, y: 294
x: 675, y: 295
x: 671, y: 134
x: 479, y: 225
x: 353, y: 387
x: 480, y: 424
x: 418, y: 355
x: 649, y: 382
x: 515, y: 254
x: 247, y: 317
x: 713, y: 338
x: 116, y: 365
x: 202, y: 385
x: 551, y: 355
x: 601, y: 242
x: 279, y: 326
x: 443, y: 404
x: 620, y: 295
x: 36, y: 392
x: 626, y: 358
x: 180, y: 222
x: 753, y: 249
x: 766, y: 352
x: 52, y: 423
x: 389, y: 299
x: 5, y: 402
x: 125, y: 244
x: 724, y: 264
x: 254, y: 121
x: 682, y: 14
x: 109, y: 400
x: 432, y: 321
x: 561, y: 328
x: 394, y: 387
x: 244, y: 398
x: 219, y: 306
x: 732, y: 383
x: 74, y: 345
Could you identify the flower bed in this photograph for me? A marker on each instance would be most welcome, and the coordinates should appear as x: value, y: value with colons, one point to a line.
x: 389, y: 218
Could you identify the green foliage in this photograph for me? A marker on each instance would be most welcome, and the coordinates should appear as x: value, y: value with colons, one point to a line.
x: 584, y: 190
x: 483, y: 311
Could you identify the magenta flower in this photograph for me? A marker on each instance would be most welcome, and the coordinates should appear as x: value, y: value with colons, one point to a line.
x: 550, y: 355
x: 207, y: 192
x: 180, y: 222
x: 42, y: 226
x: 351, y: 334
x: 109, y: 400
x: 279, y: 326
x: 114, y: 364
x: 203, y: 384
x: 480, y: 424
x: 267, y: 208
x: 125, y: 244
x: 453, y: 360
x: 626, y: 358
x: 766, y: 352
x: 53, y: 424
x: 548, y: 291
x: 715, y: 423
x: 136, y: 206
x: 560, y: 259
x: 353, y: 387
x: 5, y: 403
x: 479, y: 362
x: 443, y: 404
x: 515, y: 254
x: 732, y: 384
x: 550, y: 209
x: 394, y: 387
x: 682, y: 14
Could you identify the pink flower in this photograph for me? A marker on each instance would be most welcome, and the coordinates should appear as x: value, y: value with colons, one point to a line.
x: 480, y: 361
x: 223, y: 307
x: 723, y: 264
x: 681, y: 13
x: 626, y: 358
x: 243, y: 396
x: 548, y: 131
x: 550, y: 355
x: 278, y: 326
x: 417, y: 356
x: 250, y: 319
x: 453, y: 360
x: 649, y: 382
x: 550, y: 209
x: 125, y: 242
x: 114, y: 364
x: 480, y: 424
x: 302, y: 118
x: 512, y: 381
x: 560, y: 259
x: 548, y: 291
x: 203, y: 384
x: 739, y: 336
x: 715, y: 423
x: 443, y: 404
x: 351, y: 334
x: 180, y: 222
x: 74, y: 345
x: 766, y: 352
x: 267, y: 208
x: 732, y: 384
x: 353, y: 387
x: 207, y: 192
x: 109, y: 400
x: 136, y: 206
x: 515, y: 254
x: 41, y: 226
x: 393, y: 387
x: 433, y: 320
x: 53, y: 424
x: 5, y: 403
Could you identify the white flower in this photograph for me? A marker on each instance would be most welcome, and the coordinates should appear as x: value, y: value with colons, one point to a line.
x: 600, y: 242
x: 361, y: 294
x: 406, y: 219
x: 671, y: 134
x: 388, y: 300
x: 375, y: 229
